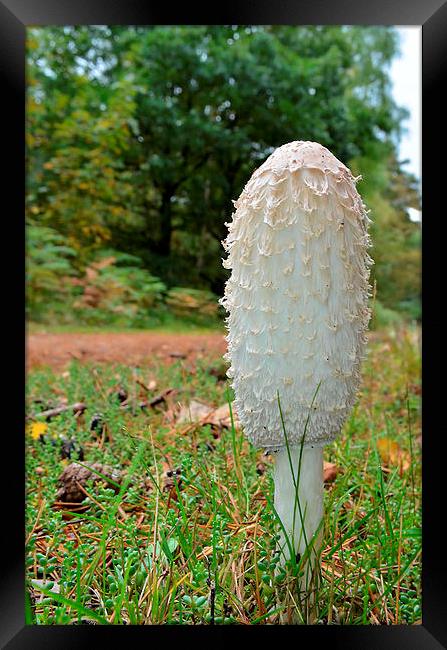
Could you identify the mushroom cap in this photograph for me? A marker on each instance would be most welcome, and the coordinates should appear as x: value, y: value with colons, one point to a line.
x: 297, y: 296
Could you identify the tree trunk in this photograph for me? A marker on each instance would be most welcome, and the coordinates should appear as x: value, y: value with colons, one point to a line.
x: 164, y: 246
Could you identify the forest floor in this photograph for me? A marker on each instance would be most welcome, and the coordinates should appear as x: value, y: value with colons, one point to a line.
x: 56, y: 350
x: 145, y: 504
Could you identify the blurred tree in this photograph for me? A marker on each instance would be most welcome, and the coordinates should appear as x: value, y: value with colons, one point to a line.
x: 396, y: 239
x: 140, y: 137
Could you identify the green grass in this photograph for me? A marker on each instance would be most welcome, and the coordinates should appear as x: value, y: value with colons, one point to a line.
x: 169, y: 325
x: 156, y: 550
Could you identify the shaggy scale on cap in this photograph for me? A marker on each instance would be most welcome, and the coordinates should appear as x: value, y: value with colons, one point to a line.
x: 297, y: 296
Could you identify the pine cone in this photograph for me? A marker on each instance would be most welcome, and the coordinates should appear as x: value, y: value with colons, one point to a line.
x: 75, y: 475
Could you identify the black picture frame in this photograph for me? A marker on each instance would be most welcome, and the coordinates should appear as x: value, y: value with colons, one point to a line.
x: 15, y: 17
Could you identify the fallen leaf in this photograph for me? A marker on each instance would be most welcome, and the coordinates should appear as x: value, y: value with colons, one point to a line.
x: 330, y: 471
x: 200, y: 413
x: 392, y: 454
x: 221, y: 418
x: 193, y: 412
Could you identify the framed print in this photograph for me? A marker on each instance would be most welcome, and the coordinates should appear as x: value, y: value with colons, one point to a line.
x: 223, y: 270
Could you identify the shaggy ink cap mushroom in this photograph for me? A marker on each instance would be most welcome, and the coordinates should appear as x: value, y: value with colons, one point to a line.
x: 297, y: 297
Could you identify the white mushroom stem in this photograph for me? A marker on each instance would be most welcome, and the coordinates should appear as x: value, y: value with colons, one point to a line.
x: 298, y: 477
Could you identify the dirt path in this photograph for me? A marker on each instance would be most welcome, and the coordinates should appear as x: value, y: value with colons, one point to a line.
x: 136, y: 348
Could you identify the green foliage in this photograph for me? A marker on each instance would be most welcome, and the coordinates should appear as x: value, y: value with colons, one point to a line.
x: 113, y: 290
x: 49, y: 262
x: 114, y: 287
x: 396, y: 239
x: 139, y: 138
x: 384, y: 317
